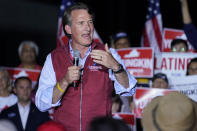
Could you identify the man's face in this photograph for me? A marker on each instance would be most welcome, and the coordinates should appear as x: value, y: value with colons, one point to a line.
x: 28, y: 54
x: 160, y: 83
x: 3, y: 81
x: 82, y: 27
x: 122, y: 43
x: 179, y: 48
x: 192, y: 69
x: 23, y: 91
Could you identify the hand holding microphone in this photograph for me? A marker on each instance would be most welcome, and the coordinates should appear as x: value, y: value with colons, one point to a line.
x: 73, y: 73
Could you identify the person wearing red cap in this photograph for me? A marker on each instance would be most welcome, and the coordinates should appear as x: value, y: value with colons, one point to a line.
x: 51, y: 126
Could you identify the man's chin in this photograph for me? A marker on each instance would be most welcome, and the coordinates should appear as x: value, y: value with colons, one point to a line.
x: 87, y: 45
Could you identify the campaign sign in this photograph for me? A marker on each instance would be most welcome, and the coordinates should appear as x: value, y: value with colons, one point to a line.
x: 19, y: 72
x: 173, y: 64
x: 138, y: 61
x: 186, y: 85
x: 169, y: 35
x: 128, y: 118
x: 143, y: 96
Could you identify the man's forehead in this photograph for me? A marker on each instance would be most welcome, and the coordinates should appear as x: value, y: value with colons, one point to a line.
x: 80, y: 13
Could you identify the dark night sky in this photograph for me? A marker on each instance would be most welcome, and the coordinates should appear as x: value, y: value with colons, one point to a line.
x: 37, y: 20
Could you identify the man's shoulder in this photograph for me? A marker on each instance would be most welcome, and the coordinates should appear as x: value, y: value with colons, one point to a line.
x: 34, y: 109
x: 9, y: 111
x: 11, y: 108
x: 59, y: 49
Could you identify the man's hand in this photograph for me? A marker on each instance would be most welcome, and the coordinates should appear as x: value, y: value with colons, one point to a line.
x: 105, y: 58
x: 73, y: 74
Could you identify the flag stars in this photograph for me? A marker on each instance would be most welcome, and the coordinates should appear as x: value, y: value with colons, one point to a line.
x: 62, y: 7
x: 157, y: 4
x: 69, y: 3
x: 155, y: 11
x: 152, y: 1
x: 149, y: 9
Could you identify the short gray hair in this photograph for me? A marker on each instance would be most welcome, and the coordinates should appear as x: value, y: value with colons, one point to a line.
x: 28, y: 42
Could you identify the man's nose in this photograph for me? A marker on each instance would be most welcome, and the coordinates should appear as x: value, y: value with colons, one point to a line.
x: 87, y: 26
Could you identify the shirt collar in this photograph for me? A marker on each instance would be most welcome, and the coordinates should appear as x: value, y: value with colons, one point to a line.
x: 71, y: 50
x: 26, y: 106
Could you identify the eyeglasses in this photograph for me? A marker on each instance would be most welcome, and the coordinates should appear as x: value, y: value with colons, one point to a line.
x: 175, y: 50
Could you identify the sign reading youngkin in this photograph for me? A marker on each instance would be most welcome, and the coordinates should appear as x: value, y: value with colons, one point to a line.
x: 138, y: 61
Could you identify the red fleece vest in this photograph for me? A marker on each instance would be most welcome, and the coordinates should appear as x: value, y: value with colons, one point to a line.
x: 92, y: 97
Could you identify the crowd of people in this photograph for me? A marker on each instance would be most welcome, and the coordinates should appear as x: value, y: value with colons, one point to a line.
x: 102, y: 84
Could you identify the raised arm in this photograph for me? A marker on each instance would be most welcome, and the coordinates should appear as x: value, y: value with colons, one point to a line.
x: 185, y: 12
x: 105, y: 58
x: 123, y: 81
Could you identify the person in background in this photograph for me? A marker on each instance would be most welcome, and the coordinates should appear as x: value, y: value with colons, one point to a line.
x: 171, y: 112
x: 131, y: 104
x: 192, y: 67
x: 51, y: 126
x: 108, y: 124
x: 189, y: 29
x: 116, y: 104
x: 24, y: 113
x: 100, y: 71
x: 7, y: 98
x: 28, y: 51
x: 121, y: 40
x: 160, y: 80
x: 179, y: 45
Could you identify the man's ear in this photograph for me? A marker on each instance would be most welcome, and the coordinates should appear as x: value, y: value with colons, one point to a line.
x: 68, y: 29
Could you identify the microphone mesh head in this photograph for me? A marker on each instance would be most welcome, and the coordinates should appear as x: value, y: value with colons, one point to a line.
x: 76, y: 53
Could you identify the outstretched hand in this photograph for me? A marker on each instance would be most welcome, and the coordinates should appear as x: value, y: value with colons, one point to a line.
x: 104, y: 58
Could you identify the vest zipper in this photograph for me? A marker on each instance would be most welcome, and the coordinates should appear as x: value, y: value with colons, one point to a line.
x: 81, y: 98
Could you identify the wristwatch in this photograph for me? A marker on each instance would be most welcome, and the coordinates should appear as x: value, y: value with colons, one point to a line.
x: 120, y: 69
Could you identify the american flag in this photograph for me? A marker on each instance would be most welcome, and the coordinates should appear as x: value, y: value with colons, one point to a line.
x: 152, y: 33
x: 62, y: 39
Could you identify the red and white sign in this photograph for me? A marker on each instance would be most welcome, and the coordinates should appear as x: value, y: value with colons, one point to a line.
x: 128, y: 118
x: 19, y: 72
x: 138, y: 61
x: 143, y: 96
x: 173, y: 64
x: 169, y: 35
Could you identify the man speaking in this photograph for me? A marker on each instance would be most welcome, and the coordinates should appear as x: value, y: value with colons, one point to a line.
x: 100, y: 71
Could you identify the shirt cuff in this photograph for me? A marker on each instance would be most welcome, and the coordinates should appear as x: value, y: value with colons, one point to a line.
x: 122, y: 90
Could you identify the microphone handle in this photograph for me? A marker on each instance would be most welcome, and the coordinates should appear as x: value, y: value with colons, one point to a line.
x: 76, y: 63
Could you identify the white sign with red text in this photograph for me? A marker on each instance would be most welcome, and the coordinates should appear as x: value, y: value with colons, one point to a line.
x: 169, y: 35
x: 143, y: 96
x: 173, y: 64
x: 186, y: 85
x: 138, y: 61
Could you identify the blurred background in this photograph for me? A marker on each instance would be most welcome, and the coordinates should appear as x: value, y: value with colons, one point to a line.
x: 37, y: 20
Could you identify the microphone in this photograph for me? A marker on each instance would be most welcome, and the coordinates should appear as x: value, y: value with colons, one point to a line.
x: 76, y: 55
